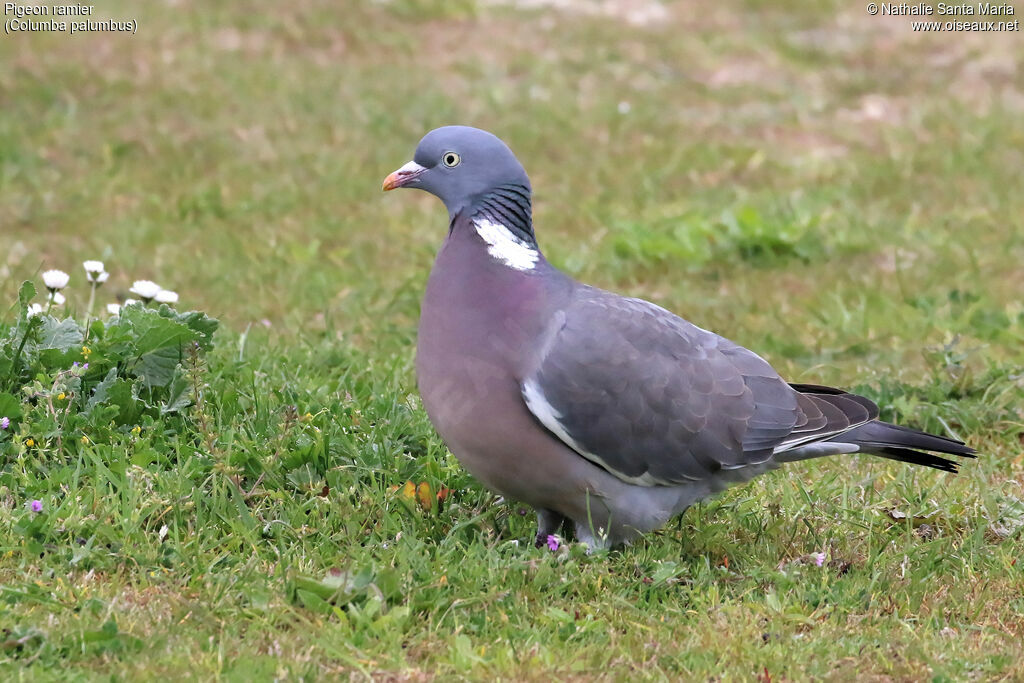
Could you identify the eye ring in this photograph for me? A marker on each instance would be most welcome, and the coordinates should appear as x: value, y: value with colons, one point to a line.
x: 451, y: 159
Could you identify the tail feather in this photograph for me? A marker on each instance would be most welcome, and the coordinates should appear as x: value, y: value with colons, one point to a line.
x: 914, y: 438
x: 917, y: 458
x: 886, y: 441
x: 870, y: 436
x: 906, y: 445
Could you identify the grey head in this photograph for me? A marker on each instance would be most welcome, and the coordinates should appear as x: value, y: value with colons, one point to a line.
x: 470, y: 169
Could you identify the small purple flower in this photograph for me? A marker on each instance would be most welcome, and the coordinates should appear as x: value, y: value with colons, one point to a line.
x: 5, y: 422
x: 553, y: 542
x: 819, y: 559
x: 36, y: 505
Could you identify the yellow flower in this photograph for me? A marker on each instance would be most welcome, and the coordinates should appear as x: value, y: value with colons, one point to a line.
x: 136, y: 430
x: 85, y: 439
x: 86, y: 351
x: 61, y: 396
x: 30, y: 442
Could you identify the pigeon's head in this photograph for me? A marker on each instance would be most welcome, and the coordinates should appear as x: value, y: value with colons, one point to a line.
x: 460, y: 165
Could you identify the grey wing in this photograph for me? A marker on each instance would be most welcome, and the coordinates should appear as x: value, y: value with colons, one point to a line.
x: 656, y: 400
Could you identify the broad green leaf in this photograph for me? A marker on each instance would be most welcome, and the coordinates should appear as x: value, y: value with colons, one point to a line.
x: 54, y: 359
x: 389, y: 582
x: 96, y: 330
x: 99, y: 393
x: 10, y: 406
x: 200, y: 323
x: 118, y: 340
x: 153, y: 331
x: 157, y: 368
x: 124, y: 395
x: 26, y: 293
x: 179, y: 395
x: 312, y: 601
x: 107, y: 632
x: 338, y: 587
x: 62, y: 335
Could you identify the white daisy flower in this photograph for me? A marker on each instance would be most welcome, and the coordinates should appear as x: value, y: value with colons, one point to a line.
x: 93, y: 269
x: 55, y: 279
x: 95, y: 273
x: 145, y: 289
x: 114, y: 309
x: 34, y: 309
x: 166, y: 296
x: 56, y: 298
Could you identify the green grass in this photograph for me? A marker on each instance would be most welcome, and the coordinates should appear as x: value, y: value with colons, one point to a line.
x: 827, y: 188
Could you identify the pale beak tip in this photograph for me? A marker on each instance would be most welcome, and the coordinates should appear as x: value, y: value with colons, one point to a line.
x: 402, y: 176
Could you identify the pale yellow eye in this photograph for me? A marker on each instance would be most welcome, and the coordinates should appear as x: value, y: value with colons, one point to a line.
x: 451, y: 159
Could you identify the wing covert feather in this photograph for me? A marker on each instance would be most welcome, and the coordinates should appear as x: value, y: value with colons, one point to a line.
x: 654, y: 399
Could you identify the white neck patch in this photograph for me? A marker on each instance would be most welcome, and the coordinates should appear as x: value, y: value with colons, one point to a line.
x: 504, y: 246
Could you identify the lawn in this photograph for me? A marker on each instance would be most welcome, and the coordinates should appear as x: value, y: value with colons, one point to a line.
x: 831, y: 189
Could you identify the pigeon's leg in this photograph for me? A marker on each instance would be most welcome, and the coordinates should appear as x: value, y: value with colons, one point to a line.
x: 593, y: 539
x: 548, y: 523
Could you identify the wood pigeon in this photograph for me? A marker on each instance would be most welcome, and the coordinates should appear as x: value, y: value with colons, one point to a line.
x: 603, y: 411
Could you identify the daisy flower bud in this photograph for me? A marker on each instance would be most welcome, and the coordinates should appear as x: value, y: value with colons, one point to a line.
x: 34, y: 309
x: 114, y: 309
x: 166, y: 296
x: 55, y: 280
x: 129, y: 302
x: 97, y: 278
x: 56, y: 298
x: 145, y: 289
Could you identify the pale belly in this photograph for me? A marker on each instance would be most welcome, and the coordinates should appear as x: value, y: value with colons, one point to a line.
x: 476, y: 408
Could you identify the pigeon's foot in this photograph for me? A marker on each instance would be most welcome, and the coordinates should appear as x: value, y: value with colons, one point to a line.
x: 548, y: 523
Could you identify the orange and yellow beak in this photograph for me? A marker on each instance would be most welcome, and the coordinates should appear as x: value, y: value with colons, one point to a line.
x: 403, y: 176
